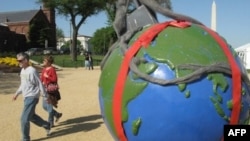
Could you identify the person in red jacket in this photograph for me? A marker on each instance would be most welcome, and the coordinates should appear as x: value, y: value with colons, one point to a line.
x: 48, y: 76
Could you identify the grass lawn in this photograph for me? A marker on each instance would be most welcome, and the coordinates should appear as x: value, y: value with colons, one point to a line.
x: 66, y: 61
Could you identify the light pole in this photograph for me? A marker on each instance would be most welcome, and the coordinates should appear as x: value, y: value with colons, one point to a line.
x: 70, y: 28
x: 104, y: 42
x: 70, y: 32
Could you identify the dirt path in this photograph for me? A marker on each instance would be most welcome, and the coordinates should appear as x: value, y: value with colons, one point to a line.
x: 81, y: 120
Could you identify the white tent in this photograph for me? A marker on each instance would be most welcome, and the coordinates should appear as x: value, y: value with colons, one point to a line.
x: 244, y: 53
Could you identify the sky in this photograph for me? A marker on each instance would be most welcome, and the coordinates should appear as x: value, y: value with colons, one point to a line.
x: 233, y: 17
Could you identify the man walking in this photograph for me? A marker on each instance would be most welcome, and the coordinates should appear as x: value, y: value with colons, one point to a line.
x: 30, y: 88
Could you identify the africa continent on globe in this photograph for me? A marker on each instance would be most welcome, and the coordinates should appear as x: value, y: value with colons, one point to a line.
x: 176, y: 81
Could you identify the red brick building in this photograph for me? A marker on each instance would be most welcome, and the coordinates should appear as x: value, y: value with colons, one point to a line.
x: 11, y: 41
x: 21, y: 22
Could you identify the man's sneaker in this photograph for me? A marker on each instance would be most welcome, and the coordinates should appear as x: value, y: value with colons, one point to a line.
x: 59, y: 115
x: 47, y: 128
x: 48, y: 132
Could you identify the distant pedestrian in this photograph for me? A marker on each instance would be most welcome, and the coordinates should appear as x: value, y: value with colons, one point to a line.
x: 86, y: 60
x: 30, y: 88
x: 90, y: 59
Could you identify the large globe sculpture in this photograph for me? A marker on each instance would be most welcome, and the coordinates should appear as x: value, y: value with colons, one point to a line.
x: 175, y: 81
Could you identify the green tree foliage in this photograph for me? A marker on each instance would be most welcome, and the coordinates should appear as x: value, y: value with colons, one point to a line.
x: 103, y: 38
x: 110, y: 9
x: 59, y: 34
x: 77, y: 11
x: 67, y: 45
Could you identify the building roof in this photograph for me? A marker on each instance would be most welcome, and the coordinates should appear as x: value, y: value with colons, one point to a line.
x: 86, y: 36
x: 17, y: 16
x: 243, y: 47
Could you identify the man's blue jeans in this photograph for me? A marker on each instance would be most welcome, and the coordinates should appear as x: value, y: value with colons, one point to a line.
x: 28, y: 115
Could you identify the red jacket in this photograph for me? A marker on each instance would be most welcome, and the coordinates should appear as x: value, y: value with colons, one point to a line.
x: 51, y: 72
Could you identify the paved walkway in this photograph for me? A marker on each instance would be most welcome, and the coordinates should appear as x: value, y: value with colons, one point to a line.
x: 81, y: 120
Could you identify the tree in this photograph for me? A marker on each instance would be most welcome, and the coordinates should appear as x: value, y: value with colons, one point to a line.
x: 59, y: 36
x: 77, y: 11
x: 67, y: 44
x: 103, y: 38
